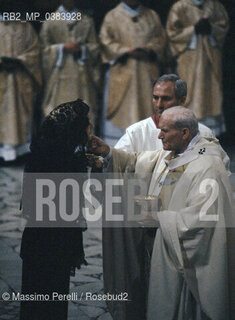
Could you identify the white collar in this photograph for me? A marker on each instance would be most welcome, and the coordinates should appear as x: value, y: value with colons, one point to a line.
x: 185, y: 156
x: 131, y: 12
x: 191, y: 144
x: 67, y: 17
x: 195, y: 150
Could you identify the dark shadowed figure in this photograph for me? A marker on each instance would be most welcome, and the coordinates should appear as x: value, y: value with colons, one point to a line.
x: 49, y: 254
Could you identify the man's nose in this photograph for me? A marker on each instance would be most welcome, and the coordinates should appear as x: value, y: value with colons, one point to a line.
x: 159, y: 102
x: 160, y: 135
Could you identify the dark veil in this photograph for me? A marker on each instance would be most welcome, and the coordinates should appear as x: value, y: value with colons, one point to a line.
x: 62, y: 132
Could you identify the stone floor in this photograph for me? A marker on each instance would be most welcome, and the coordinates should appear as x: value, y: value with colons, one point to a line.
x: 88, y: 279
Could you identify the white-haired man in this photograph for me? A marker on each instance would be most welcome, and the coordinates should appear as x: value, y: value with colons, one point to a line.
x: 189, y: 269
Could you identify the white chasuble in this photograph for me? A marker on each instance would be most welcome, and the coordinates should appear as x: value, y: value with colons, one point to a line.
x: 190, y: 254
x: 18, y: 88
x: 130, y: 80
x: 66, y: 77
x: 199, y: 56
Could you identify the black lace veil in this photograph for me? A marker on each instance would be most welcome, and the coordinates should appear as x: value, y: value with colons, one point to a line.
x: 63, y: 129
x: 61, y: 132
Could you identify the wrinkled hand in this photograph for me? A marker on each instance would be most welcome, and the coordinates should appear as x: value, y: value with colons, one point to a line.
x: 98, y: 146
x: 203, y: 26
x: 72, y: 47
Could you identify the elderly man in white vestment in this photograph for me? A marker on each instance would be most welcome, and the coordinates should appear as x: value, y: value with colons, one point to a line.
x: 196, y: 31
x: 189, y: 270
x: 70, y: 58
x: 168, y: 90
x: 20, y: 80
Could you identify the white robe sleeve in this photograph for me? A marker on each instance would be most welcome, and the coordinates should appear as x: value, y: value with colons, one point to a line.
x: 122, y: 161
x: 125, y: 143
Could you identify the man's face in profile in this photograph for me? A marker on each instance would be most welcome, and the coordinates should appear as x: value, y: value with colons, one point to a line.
x: 164, y: 97
x: 172, y: 138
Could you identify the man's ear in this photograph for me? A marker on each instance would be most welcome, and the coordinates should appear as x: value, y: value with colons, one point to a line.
x: 182, y: 101
x: 186, y: 133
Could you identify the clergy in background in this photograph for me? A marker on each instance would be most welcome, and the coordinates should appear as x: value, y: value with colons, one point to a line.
x: 196, y: 30
x: 191, y: 270
x: 20, y: 79
x: 132, y: 39
x: 70, y: 58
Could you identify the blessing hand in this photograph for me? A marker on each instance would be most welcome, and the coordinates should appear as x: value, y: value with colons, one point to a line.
x: 97, y: 146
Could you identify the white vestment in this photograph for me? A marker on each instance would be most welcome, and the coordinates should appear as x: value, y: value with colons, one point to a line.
x: 143, y: 136
x: 190, y: 253
x: 129, y: 85
x: 68, y: 77
x: 199, y: 56
x: 180, y: 248
x: 19, y: 88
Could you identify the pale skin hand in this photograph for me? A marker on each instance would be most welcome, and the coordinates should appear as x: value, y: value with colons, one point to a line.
x: 98, y: 146
x: 72, y: 47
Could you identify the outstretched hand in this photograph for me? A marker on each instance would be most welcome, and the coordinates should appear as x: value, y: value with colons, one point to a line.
x: 97, y: 146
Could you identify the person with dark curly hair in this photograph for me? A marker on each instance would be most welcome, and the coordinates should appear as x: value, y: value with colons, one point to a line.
x: 49, y: 254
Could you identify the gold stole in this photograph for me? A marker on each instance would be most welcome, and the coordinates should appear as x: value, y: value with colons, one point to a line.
x: 168, y: 187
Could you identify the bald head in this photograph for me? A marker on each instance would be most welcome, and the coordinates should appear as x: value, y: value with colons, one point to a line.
x: 182, y: 118
x: 178, y: 127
